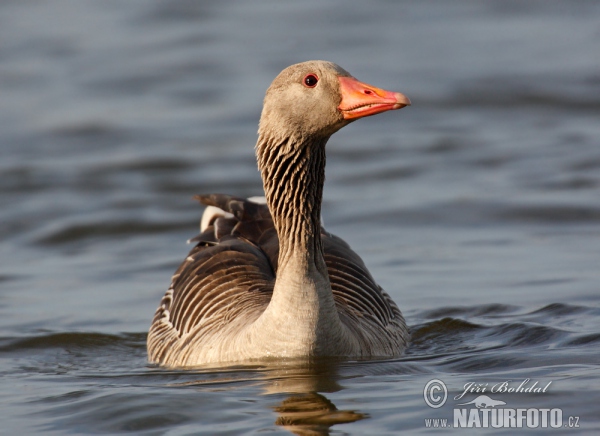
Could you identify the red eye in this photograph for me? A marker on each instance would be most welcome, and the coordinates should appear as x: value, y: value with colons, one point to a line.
x: 310, y: 81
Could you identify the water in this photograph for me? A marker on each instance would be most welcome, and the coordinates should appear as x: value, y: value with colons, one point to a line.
x: 476, y: 208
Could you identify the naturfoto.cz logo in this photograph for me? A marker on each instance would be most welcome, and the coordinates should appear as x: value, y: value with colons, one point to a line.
x: 484, y: 411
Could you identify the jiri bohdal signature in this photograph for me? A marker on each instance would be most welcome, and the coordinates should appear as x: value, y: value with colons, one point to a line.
x: 507, y: 386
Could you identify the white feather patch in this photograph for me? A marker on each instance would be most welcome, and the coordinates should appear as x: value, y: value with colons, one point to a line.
x: 210, y: 214
x: 258, y: 199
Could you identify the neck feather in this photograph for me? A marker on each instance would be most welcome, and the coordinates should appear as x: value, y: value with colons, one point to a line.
x: 293, y: 173
x: 301, y: 318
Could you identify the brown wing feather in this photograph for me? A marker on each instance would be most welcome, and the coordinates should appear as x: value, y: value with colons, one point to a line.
x: 364, y: 307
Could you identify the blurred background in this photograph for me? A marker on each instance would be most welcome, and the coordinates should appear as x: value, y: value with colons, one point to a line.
x: 478, y: 204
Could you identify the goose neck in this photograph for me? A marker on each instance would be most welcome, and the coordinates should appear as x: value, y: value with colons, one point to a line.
x: 293, y: 174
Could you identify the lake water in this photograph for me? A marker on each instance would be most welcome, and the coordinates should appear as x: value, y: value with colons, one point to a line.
x: 477, y: 209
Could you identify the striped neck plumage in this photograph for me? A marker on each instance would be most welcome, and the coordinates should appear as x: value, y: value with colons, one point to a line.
x: 293, y: 174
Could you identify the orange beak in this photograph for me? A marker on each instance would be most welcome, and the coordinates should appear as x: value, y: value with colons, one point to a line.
x: 361, y: 100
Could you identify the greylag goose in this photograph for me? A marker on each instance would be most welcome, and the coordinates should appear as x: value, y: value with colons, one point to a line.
x: 267, y: 280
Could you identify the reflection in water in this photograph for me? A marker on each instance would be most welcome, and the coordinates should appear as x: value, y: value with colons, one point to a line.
x: 306, y: 411
x: 312, y: 414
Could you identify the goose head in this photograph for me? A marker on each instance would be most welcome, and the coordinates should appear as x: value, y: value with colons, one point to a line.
x: 314, y: 99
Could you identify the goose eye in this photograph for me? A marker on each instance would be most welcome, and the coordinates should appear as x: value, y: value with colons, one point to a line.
x: 310, y: 81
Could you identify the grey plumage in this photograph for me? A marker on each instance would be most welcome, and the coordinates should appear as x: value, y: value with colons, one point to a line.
x: 230, y: 274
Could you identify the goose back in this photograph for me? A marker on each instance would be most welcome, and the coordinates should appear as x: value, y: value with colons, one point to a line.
x: 227, y: 281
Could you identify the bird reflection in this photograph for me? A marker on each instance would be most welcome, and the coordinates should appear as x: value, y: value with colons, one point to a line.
x: 312, y: 414
x: 306, y: 410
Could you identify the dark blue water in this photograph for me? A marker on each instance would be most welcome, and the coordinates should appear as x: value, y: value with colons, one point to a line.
x: 477, y: 208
